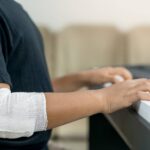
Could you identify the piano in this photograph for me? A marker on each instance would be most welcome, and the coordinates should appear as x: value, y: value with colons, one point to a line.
x: 143, y: 107
x: 131, y: 126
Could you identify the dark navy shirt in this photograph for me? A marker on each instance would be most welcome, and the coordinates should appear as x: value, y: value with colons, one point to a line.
x: 22, y: 65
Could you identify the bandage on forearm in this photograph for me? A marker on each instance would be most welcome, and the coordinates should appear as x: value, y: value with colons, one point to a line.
x: 21, y: 114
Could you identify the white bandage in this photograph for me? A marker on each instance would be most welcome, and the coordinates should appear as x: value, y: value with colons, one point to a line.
x: 21, y: 114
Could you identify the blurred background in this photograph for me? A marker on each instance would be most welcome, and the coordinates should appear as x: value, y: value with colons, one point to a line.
x: 82, y: 34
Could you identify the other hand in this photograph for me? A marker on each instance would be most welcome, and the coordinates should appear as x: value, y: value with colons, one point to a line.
x: 107, y: 74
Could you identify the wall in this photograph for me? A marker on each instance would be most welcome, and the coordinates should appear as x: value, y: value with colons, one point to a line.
x: 59, y: 13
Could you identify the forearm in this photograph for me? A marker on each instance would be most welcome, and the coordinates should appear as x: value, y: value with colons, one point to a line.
x: 22, y: 114
x: 69, y: 83
x: 4, y: 85
x: 63, y: 108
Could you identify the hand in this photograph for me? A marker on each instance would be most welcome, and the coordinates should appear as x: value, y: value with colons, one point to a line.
x: 102, y: 75
x: 123, y: 94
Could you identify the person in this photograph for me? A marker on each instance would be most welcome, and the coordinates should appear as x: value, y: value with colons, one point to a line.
x: 23, y: 70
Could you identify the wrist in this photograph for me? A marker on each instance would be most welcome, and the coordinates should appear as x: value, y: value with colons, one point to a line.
x: 85, y: 78
x: 100, y: 99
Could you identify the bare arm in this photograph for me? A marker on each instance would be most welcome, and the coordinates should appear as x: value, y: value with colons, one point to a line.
x: 69, y: 83
x: 4, y: 85
x: 67, y: 107
x: 62, y: 108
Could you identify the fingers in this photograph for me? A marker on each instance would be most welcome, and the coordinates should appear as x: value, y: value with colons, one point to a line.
x: 141, y: 90
x: 119, y: 72
x: 123, y: 72
x: 115, y: 78
x: 111, y: 78
x: 144, y: 95
x: 142, y: 84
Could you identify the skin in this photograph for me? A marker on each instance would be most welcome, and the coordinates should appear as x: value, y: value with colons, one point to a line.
x: 67, y: 104
x: 76, y: 81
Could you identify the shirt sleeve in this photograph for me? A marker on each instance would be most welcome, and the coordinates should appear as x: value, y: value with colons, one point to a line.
x: 4, y: 75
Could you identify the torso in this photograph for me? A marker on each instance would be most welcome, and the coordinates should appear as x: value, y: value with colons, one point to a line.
x: 24, y: 56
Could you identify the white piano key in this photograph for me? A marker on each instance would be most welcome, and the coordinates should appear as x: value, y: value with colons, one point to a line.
x: 143, y: 109
x: 119, y: 78
x: 107, y: 84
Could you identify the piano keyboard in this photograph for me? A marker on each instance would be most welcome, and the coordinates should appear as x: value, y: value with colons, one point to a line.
x: 140, y: 71
x: 143, y: 109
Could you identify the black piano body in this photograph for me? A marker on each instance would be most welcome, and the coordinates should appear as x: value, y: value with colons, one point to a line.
x: 122, y: 130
